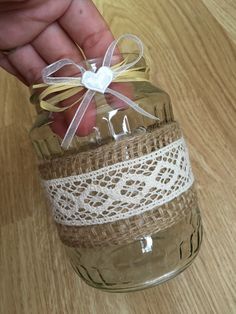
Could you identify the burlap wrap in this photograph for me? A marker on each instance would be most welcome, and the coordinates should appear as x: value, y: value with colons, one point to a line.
x: 126, y: 230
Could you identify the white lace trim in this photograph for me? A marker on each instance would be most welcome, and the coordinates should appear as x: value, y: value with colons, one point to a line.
x: 122, y: 190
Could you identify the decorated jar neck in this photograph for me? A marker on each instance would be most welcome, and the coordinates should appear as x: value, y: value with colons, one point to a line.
x: 93, y: 80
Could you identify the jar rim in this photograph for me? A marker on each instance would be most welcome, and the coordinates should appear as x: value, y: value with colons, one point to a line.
x: 98, y: 60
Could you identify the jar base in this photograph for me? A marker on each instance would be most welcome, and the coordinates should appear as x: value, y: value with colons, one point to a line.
x: 144, y: 263
x: 145, y: 285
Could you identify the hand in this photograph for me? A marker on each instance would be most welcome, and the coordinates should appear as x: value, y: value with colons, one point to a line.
x: 43, y: 31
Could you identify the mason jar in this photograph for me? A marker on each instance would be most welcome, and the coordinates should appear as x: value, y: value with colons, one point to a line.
x: 122, y: 195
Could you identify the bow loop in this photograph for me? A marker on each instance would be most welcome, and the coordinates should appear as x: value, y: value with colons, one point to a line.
x: 111, y: 50
x: 58, y: 65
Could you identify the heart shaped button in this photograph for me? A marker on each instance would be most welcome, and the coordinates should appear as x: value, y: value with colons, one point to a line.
x: 98, y: 81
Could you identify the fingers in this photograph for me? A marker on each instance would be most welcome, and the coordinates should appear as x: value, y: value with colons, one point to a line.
x: 15, y: 29
x: 21, y: 23
x: 28, y: 63
x: 54, y: 44
x: 85, y: 25
x: 6, y: 65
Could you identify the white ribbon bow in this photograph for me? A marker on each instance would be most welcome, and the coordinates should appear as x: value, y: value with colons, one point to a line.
x: 94, y: 82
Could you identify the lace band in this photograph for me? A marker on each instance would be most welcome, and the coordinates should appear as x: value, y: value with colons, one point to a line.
x: 122, y: 190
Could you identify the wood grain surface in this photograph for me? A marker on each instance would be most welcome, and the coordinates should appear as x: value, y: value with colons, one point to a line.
x: 190, y: 46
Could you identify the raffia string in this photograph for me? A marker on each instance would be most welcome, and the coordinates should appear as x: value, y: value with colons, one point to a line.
x: 94, y: 81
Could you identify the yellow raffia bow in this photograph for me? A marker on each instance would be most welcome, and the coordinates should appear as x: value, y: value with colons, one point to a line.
x: 139, y: 74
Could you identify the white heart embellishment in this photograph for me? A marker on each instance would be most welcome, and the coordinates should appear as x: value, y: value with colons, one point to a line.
x: 98, y: 81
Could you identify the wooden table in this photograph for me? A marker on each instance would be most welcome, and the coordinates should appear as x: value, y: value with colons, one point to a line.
x: 190, y: 46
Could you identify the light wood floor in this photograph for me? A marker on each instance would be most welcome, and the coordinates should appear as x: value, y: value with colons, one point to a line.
x: 191, y: 50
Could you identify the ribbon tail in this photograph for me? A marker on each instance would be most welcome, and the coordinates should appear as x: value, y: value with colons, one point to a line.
x: 130, y: 103
x: 70, y: 133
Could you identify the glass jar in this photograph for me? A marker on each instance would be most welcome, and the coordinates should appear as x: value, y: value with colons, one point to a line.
x: 150, y: 244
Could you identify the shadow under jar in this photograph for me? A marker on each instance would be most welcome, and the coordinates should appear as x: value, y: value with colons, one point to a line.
x: 123, y: 196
